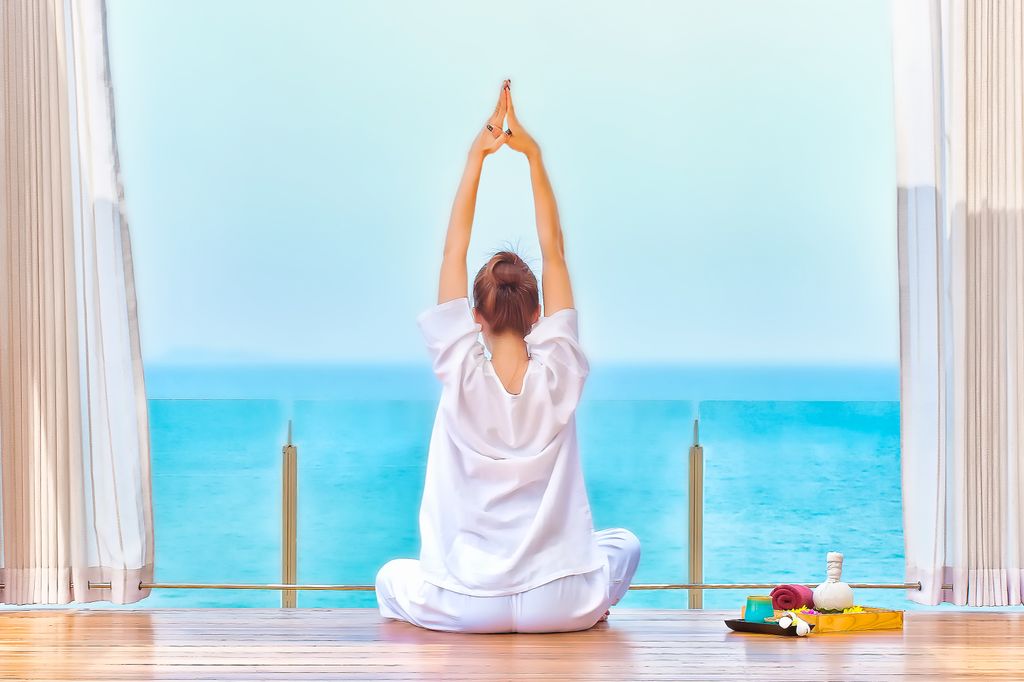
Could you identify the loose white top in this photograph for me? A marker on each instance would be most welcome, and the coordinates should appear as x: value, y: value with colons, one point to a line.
x: 504, y: 505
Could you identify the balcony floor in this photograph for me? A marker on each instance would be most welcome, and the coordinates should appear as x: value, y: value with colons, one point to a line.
x: 322, y: 644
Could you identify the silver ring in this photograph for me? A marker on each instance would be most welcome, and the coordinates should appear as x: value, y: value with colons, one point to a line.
x: 490, y: 128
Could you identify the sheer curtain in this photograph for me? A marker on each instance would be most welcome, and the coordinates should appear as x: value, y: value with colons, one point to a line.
x: 959, y: 93
x: 74, y: 434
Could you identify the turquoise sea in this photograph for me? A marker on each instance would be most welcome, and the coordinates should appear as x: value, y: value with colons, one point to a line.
x: 798, y: 461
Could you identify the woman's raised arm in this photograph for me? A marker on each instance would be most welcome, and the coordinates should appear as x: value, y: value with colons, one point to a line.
x: 454, y: 279
x: 556, y: 284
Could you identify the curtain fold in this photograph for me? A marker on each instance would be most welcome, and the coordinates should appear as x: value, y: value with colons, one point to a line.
x: 958, y: 70
x: 75, y: 498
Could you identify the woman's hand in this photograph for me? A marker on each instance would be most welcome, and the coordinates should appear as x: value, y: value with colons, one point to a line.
x: 491, y: 137
x: 518, y: 138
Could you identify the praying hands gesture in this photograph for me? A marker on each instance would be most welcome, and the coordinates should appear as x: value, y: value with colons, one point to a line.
x: 492, y: 137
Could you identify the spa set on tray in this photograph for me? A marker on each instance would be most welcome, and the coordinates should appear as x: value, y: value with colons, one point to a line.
x: 797, y: 610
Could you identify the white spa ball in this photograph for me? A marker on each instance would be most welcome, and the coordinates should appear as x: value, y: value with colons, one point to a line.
x: 833, y: 594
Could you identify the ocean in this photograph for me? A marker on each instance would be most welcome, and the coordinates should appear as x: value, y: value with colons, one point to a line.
x: 799, y: 461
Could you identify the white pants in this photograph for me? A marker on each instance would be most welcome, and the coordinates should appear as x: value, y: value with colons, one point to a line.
x: 575, y: 602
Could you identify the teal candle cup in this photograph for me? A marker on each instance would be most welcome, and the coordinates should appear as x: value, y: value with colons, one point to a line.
x: 759, y: 609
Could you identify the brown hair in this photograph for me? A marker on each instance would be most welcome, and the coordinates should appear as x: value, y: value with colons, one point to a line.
x: 505, y: 293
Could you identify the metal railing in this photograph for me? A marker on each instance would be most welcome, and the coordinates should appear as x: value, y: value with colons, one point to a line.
x: 292, y: 587
x: 695, y: 546
x: 289, y: 520
x: 289, y: 587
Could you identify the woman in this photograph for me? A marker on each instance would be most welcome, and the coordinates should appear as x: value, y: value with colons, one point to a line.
x: 507, y: 540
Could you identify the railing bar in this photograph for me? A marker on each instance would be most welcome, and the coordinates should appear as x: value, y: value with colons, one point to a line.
x: 695, y: 538
x: 369, y: 588
x: 289, y: 520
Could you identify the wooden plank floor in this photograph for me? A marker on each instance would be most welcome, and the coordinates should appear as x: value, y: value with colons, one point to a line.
x: 324, y: 644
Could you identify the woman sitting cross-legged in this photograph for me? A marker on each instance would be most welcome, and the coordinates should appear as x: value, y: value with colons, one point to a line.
x: 507, y: 539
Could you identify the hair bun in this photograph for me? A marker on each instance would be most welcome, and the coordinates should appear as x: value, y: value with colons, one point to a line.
x: 507, y: 273
x: 506, y: 295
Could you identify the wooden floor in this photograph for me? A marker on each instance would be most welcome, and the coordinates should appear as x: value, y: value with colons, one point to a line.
x: 315, y: 644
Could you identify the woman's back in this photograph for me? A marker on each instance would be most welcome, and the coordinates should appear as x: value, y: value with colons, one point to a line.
x: 504, y: 504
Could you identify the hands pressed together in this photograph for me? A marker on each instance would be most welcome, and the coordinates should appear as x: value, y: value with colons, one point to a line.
x: 492, y: 137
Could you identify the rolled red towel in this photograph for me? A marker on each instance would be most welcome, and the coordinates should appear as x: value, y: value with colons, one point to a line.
x: 786, y: 597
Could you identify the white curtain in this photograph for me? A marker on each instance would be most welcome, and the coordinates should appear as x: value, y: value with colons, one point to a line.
x: 74, y: 434
x: 959, y: 96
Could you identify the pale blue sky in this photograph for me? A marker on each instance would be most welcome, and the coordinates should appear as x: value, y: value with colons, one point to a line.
x: 725, y: 171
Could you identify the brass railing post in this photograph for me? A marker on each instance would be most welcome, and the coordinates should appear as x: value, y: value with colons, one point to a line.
x: 289, y: 521
x: 696, y: 535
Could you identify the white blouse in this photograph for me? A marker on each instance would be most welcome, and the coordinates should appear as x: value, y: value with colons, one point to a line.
x: 504, y: 505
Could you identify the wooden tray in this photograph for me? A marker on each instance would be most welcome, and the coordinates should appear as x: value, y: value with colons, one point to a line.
x: 870, y: 619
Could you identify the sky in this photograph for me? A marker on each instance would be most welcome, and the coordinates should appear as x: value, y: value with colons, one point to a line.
x: 725, y: 172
